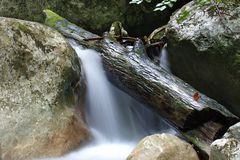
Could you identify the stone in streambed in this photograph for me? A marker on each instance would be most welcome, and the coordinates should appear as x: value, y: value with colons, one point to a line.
x: 163, y: 147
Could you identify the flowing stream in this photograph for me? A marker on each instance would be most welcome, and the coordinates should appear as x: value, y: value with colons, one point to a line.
x: 164, y: 63
x: 116, y: 121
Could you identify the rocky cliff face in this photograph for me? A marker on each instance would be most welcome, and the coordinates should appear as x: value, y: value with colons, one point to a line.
x: 41, y: 90
x: 203, y: 45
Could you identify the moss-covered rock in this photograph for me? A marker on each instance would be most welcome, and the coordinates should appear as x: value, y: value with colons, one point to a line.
x: 40, y: 91
x: 204, y: 49
x: 94, y: 15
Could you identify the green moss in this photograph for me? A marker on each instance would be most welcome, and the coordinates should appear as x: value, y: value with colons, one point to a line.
x: 52, y: 18
x: 23, y: 28
x: 197, y: 142
x: 183, y: 16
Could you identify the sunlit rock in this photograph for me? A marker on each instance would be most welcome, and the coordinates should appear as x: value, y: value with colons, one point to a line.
x: 40, y: 91
x: 163, y: 147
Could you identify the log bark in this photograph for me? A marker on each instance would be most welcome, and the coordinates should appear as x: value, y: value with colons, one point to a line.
x: 171, y: 97
x: 168, y: 95
x: 202, y: 137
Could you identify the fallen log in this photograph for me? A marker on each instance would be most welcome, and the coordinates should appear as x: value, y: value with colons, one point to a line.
x: 171, y: 97
x: 168, y: 95
x: 203, y: 136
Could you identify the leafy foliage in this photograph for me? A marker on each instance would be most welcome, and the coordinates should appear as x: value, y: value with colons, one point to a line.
x: 136, y: 1
x: 164, y: 4
x: 159, y: 6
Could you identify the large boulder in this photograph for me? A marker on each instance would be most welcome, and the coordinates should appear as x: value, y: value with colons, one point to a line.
x: 204, y: 50
x: 163, y: 147
x: 228, y: 147
x: 95, y: 15
x: 41, y: 92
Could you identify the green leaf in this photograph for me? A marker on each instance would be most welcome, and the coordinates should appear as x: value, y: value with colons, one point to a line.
x: 170, y: 5
x: 160, y: 8
x: 159, y: 4
x: 166, y: 2
x: 135, y: 1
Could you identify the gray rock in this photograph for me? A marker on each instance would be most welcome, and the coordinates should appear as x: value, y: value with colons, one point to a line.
x: 204, y: 50
x: 228, y: 147
x: 40, y: 91
x: 163, y: 147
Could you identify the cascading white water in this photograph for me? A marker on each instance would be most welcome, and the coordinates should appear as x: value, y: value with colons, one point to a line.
x: 117, y: 121
x: 99, y: 97
x: 164, y: 63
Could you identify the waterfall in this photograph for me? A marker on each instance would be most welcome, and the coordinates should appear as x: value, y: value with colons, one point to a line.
x: 116, y: 120
x: 164, y: 63
x: 101, y: 113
